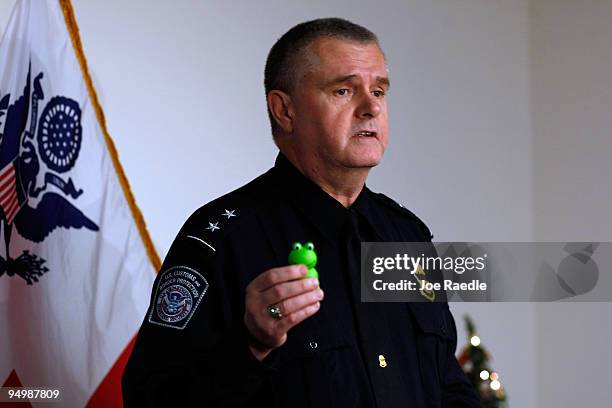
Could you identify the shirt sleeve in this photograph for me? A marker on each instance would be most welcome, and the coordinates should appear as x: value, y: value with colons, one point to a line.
x: 457, y: 391
x: 192, y: 348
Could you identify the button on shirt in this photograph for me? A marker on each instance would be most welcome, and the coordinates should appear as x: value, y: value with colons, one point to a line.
x: 193, y: 350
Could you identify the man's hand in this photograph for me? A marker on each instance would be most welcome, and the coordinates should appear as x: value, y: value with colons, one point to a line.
x: 281, y: 287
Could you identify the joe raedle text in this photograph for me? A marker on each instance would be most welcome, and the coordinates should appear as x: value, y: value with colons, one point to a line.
x: 417, y: 267
x: 423, y: 285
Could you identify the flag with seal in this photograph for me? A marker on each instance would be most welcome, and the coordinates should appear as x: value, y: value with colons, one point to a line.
x: 76, y: 261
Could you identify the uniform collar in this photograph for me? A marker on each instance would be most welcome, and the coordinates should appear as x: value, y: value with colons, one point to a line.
x: 321, y: 209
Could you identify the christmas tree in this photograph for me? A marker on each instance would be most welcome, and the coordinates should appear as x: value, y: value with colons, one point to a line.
x: 474, y: 359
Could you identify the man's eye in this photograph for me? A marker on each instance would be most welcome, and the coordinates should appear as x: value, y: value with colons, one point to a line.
x: 378, y: 93
x: 342, y: 92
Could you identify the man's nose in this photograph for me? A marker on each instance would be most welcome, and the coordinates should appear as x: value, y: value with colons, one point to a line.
x: 369, y: 106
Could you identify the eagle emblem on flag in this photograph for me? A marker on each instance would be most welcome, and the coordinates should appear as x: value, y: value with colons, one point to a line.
x: 52, y: 143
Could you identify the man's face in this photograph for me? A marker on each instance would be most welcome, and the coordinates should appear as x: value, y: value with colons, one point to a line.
x: 340, y: 107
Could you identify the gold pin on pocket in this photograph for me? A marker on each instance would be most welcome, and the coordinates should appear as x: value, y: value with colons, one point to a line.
x: 381, y: 361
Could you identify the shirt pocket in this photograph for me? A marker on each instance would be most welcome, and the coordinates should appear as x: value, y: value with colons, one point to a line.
x: 310, y: 344
x: 316, y: 357
x: 432, y: 334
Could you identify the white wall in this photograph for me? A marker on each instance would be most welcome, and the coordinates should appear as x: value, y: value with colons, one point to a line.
x: 571, y: 57
x: 181, y: 85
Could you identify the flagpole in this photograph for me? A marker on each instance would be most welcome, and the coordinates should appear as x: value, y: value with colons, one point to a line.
x: 73, y: 30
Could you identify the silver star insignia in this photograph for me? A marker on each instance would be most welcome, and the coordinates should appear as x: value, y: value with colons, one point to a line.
x: 229, y: 214
x: 212, y: 226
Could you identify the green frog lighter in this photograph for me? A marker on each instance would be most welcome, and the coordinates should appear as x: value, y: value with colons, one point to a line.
x: 304, y: 254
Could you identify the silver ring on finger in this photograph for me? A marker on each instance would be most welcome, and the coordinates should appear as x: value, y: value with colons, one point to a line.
x: 275, y: 312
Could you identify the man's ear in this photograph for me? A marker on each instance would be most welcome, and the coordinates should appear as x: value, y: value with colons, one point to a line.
x: 281, y: 107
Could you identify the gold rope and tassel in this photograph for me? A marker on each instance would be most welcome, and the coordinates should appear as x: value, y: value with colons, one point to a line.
x: 73, y: 29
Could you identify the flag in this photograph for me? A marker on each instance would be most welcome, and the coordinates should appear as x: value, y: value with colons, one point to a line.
x: 8, y: 192
x: 76, y: 261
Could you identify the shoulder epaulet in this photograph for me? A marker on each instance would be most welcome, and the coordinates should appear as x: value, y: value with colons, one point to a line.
x: 390, y: 203
x: 184, y: 279
x: 210, y: 224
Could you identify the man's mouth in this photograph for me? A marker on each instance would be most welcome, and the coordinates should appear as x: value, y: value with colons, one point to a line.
x: 366, y: 133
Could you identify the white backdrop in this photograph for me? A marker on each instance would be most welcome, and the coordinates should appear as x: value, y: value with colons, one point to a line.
x: 473, y: 147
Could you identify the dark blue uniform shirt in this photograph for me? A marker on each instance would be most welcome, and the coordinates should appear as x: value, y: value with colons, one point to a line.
x: 192, y: 349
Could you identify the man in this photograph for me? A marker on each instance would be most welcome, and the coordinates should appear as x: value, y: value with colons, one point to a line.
x: 231, y: 324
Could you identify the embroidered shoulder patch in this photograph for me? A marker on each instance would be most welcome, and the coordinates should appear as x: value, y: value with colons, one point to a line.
x: 180, y: 290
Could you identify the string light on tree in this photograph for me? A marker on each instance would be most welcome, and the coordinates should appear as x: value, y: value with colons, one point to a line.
x: 474, y: 360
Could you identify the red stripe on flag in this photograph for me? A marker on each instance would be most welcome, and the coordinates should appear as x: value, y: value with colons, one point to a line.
x: 12, y: 212
x: 12, y: 203
x: 10, y: 169
x: 6, y: 195
x: 9, y: 199
x: 14, y: 381
x: 108, y: 393
x: 8, y: 183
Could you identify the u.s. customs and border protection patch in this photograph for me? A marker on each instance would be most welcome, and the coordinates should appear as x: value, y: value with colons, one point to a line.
x: 180, y: 290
